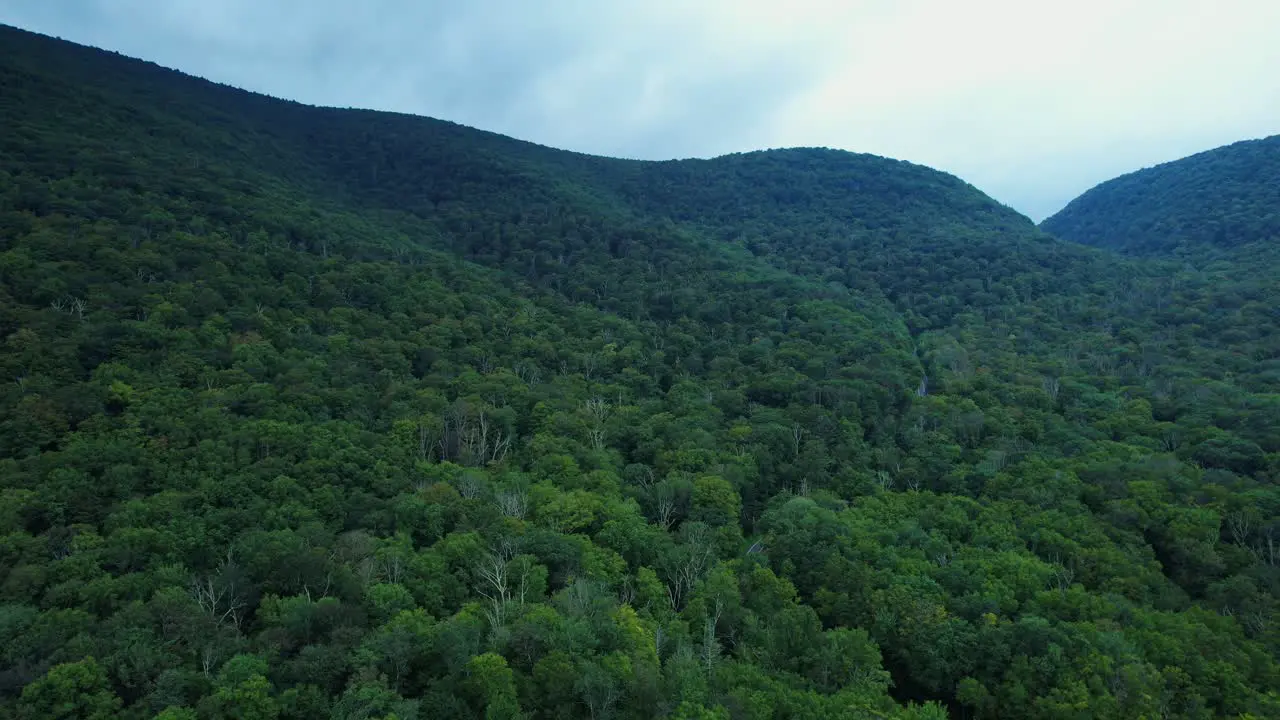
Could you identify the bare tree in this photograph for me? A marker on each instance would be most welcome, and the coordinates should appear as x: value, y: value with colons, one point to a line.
x: 523, y: 572
x: 392, y: 567
x: 529, y: 372
x: 797, y: 436
x: 1240, y: 523
x: 209, y: 657
x: 1063, y: 574
x: 710, y: 645
x: 1266, y: 549
x: 493, y: 572
x: 1257, y: 621
x: 597, y: 409
x: 219, y: 595
x: 666, y: 511
x: 599, y: 690
x: 627, y: 593
x: 513, y: 503
x: 472, y: 438
x: 666, y: 504
x: 685, y: 571
x: 428, y: 437
x: 643, y: 476
x: 1052, y: 386
x: 470, y: 485
x: 997, y: 460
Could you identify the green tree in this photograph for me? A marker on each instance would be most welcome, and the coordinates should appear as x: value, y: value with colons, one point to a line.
x: 494, y: 685
x: 77, y: 690
x: 715, y: 502
x: 241, y: 691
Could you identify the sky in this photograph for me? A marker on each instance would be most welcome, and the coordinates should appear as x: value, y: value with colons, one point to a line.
x: 1032, y: 101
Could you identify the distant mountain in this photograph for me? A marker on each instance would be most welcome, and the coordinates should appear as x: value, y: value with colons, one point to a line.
x: 1216, y: 200
x: 309, y: 412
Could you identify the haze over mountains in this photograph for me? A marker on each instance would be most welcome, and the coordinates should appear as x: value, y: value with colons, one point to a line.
x: 335, y: 413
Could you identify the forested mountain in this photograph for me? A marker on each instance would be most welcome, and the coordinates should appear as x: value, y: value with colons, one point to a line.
x: 319, y: 413
x: 1202, y: 206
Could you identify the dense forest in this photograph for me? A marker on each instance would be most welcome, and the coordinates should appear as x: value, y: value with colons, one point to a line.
x: 322, y: 413
x: 1204, y: 206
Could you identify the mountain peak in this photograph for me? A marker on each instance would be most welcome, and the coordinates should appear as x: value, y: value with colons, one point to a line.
x: 1218, y: 199
x: 312, y: 412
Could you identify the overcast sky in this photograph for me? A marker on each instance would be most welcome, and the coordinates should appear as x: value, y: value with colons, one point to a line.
x: 1033, y: 101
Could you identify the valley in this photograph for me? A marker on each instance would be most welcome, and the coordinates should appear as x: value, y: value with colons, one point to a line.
x: 311, y: 412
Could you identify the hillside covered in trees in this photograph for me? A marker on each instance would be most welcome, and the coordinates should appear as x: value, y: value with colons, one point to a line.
x: 1205, y: 205
x: 320, y: 413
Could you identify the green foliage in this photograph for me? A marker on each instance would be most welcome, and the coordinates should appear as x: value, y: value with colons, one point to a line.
x: 71, y: 690
x: 494, y: 686
x: 241, y: 691
x: 319, y: 413
x: 1197, y: 207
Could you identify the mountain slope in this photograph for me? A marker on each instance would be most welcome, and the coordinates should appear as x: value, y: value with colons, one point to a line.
x: 322, y: 412
x: 1201, y: 205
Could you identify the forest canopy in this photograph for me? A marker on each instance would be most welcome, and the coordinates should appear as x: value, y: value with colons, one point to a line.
x: 1207, y: 205
x: 317, y: 413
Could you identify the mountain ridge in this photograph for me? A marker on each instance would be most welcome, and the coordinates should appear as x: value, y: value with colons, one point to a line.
x: 1214, y: 200
x: 439, y: 126
x: 332, y: 413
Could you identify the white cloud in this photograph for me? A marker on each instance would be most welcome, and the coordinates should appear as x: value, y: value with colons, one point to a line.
x: 1032, y: 101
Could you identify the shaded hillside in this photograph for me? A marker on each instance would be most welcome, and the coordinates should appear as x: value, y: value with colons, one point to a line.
x: 329, y: 413
x: 1199, y: 206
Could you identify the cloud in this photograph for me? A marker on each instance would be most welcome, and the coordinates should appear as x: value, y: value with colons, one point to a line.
x: 1031, y: 101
